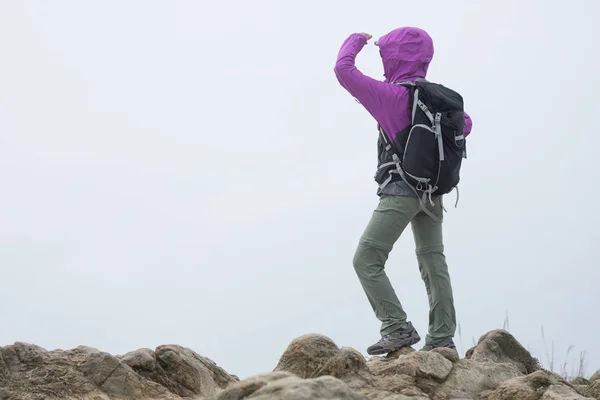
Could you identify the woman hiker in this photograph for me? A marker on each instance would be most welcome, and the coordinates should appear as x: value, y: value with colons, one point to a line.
x: 406, y: 53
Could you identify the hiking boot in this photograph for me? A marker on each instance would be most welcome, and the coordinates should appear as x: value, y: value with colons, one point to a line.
x: 404, y: 337
x: 448, y: 342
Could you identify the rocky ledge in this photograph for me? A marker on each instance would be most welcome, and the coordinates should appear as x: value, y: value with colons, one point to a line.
x: 312, y: 367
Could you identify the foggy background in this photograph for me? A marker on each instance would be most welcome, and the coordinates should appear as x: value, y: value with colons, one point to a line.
x: 191, y: 172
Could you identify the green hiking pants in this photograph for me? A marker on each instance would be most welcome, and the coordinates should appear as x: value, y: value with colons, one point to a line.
x: 390, y: 218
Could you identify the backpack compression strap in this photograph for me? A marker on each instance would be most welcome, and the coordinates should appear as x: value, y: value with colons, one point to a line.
x: 396, y: 161
x: 426, y: 193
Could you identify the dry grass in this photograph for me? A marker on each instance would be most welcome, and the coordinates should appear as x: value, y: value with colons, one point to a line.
x: 566, y: 371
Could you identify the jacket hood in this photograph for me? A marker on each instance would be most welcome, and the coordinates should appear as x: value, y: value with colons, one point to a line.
x: 406, y: 53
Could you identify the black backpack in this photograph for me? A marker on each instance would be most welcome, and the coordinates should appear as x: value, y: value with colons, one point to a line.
x: 429, y: 153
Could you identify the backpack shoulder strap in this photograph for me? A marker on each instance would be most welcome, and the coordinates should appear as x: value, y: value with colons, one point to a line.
x: 416, y: 100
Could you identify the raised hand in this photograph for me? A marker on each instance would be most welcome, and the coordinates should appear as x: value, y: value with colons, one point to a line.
x: 368, y: 36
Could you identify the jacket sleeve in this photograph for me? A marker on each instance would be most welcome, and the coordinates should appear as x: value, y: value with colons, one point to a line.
x: 468, y: 124
x: 369, y: 92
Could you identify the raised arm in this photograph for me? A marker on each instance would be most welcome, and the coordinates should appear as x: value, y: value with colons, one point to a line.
x: 468, y: 124
x: 369, y: 92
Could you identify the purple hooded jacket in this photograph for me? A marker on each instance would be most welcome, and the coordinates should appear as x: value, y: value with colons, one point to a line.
x: 406, y: 54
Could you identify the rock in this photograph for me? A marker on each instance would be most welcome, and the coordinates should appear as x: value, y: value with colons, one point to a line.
x: 449, y: 354
x: 282, y: 385
x: 405, y: 397
x: 499, y: 346
x: 35, y: 374
x: 5, y: 394
x: 583, y: 390
x: 404, y: 372
x: 595, y: 377
x: 31, y: 373
x: 187, y: 373
x: 310, y: 356
x: 524, y: 388
x: 243, y: 389
x: 469, y: 378
x: 21, y: 356
x: 99, y: 367
x: 416, y: 364
x: 80, y: 373
x: 4, y: 372
x: 424, y: 370
x: 312, y: 366
x: 118, y: 379
x: 469, y: 353
x: 580, y: 381
x: 400, y: 352
x: 594, y: 390
x: 539, y: 385
x: 561, y: 392
x: 143, y: 361
x: 433, y: 365
x: 386, y: 386
x: 307, y: 355
x: 324, y: 387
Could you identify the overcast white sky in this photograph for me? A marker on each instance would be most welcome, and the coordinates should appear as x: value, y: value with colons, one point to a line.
x: 191, y: 172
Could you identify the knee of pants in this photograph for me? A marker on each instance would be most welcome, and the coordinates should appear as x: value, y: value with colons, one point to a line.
x: 357, y: 260
x: 367, y: 256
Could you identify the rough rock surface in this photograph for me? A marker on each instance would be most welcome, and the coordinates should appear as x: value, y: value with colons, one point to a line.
x: 499, y: 346
x: 594, y: 390
x: 283, y: 385
x: 580, y: 380
x: 311, y: 356
x: 422, y: 372
x: 449, y: 354
x: 29, y: 372
x: 179, y: 369
x: 539, y: 385
x: 469, y: 378
x: 312, y: 367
